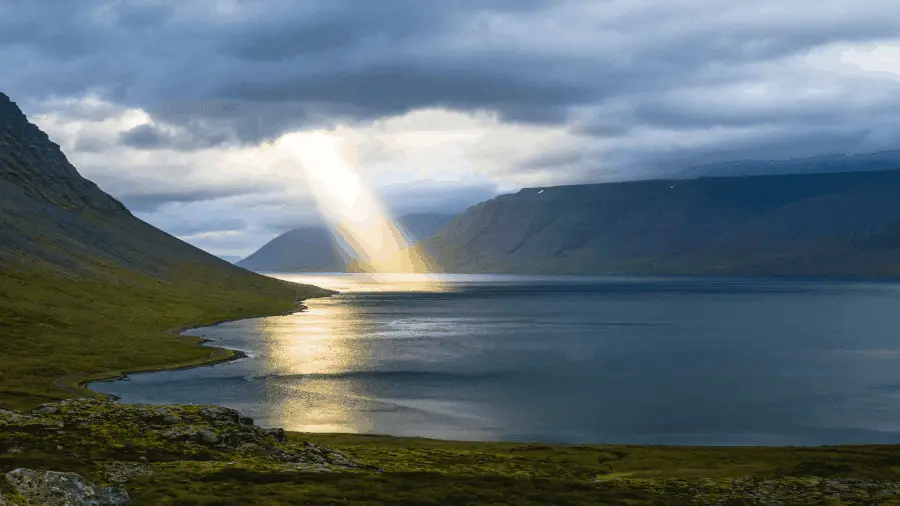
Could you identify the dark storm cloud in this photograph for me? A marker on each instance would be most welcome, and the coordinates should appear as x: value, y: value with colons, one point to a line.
x: 398, y: 88
x: 649, y: 84
x: 193, y: 137
x: 146, y: 137
x: 324, y: 58
x: 284, y: 64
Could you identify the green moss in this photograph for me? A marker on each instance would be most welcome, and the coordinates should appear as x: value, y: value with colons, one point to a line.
x: 58, y: 330
x: 90, y: 438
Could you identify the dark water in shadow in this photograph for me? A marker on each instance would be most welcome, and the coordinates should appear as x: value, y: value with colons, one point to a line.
x: 577, y: 360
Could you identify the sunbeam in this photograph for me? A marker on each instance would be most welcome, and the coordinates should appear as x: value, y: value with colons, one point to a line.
x: 353, y: 211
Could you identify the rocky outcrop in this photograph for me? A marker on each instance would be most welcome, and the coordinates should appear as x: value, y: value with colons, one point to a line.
x: 50, y: 488
x: 138, y: 435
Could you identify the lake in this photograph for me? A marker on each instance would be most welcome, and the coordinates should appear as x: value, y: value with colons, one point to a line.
x: 564, y: 360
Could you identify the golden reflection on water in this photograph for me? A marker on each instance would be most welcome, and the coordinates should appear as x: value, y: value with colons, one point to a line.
x: 307, y: 355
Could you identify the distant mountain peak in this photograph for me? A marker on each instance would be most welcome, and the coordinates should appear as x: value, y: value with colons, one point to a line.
x: 315, y: 249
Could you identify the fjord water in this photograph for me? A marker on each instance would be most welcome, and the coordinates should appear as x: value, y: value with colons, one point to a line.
x: 564, y: 359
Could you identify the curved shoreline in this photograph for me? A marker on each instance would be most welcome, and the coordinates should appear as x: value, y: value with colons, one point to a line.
x: 79, y: 384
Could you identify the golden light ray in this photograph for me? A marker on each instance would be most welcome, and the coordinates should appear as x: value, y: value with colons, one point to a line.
x: 353, y: 210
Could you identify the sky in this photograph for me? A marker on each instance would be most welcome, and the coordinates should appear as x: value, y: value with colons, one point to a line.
x: 175, y: 107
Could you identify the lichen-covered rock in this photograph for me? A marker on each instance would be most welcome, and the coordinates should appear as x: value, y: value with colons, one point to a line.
x: 219, y: 413
x: 12, y: 418
x: 179, y: 434
x: 151, y: 433
x: 50, y: 488
x: 121, y: 472
x: 207, y: 437
x: 278, y: 434
x: 46, y: 409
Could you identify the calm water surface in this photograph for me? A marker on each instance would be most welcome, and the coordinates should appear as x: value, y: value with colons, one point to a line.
x: 564, y: 359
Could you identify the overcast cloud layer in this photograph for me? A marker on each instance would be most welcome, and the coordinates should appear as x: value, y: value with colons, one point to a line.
x: 172, y: 106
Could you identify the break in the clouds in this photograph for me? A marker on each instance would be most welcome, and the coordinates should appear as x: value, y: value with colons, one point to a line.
x: 173, y: 106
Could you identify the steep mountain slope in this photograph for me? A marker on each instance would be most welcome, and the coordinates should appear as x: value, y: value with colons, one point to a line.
x: 52, y: 214
x: 806, y: 224
x: 313, y: 249
x: 86, y: 288
x: 421, y: 226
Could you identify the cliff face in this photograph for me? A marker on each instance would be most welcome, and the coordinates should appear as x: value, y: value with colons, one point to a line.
x: 809, y: 224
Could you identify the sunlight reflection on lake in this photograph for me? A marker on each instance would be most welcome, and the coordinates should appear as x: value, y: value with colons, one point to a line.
x: 313, y: 362
x: 374, y: 282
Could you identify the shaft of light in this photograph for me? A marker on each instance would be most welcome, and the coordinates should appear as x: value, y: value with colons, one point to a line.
x: 351, y: 208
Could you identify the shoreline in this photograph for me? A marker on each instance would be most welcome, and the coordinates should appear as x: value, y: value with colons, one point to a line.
x: 79, y: 384
x: 221, y: 355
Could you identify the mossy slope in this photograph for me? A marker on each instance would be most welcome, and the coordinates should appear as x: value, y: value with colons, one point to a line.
x: 87, y: 290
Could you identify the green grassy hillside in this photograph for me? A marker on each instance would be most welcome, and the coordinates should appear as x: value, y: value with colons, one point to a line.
x: 87, y: 290
x: 59, y: 330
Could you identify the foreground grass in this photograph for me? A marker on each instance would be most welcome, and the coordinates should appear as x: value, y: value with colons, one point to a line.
x: 420, y: 472
x: 131, y: 447
x: 57, y: 331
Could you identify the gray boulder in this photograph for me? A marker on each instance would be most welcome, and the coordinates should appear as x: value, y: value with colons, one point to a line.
x: 207, y: 437
x: 50, y: 488
x: 46, y: 409
x: 278, y: 434
x: 220, y: 413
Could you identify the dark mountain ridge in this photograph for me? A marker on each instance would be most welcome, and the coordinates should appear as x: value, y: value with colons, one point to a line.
x: 838, y: 223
